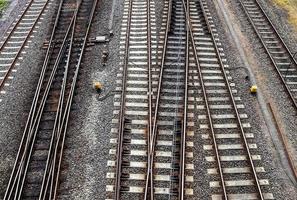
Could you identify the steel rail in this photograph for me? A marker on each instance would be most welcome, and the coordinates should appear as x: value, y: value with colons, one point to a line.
x: 44, y: 66
x: 52, y: 169
x: 68, y: 106
x: 150, y: 92
x: 123, y: 108
x: 58, y: 119
x: 24, y: 157
x: 14, y: 27
x: 32, y: 117
x: 185, y: 113
x: 149, y: 66
x: 61, y: 101
x: 268, y: 52
x: 149, y: 175
x: 33, y: 131
x: 205, y: 97
x: 70, y: 98
x: 233, y: 104
x: 277, y: 34
x: 35, y: 99
x: 5, y: 77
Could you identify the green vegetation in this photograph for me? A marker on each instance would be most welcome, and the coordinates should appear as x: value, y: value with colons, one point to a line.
x: 3, y: 4
x: 291, y: 7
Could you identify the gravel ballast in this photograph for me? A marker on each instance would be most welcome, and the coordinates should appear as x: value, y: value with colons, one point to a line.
x: 87, y: 143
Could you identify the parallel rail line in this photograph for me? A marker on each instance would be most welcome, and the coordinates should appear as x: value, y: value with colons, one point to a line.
x: 154, y: 119
x: 181, y: 128
x: 183, y: 119
x: 38, y: 163
x: 280, y: 55
x: 147, y: 180
x: 225, y: 121
x: 238, y: 119
x: 18, y: 36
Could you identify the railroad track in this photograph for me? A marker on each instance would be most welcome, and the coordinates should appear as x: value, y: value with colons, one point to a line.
x: 233, y: 158
x: 280, y: 55
x: 172, y: 121
x: 157, y: 160
x: 37, y: 167
x: 132, y: 103
x: 171, y: 148
x: 17, y: 38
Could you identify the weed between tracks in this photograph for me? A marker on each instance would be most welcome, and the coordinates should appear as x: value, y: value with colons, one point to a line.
x: 291, y: 7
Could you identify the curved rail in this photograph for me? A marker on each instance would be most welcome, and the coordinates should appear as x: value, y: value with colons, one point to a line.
x: 70, y: 98
x: 58, y: 123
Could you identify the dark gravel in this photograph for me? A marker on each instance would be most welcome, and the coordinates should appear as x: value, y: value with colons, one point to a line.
x: 279, y: 18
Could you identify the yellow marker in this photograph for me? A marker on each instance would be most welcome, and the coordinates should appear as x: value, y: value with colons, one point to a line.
x: 253, y: 89
x: 97, y: 85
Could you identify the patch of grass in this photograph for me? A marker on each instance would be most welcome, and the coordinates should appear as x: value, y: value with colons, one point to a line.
x: 282, y: 3
x: 291, y: 7
x: 3, y: 4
